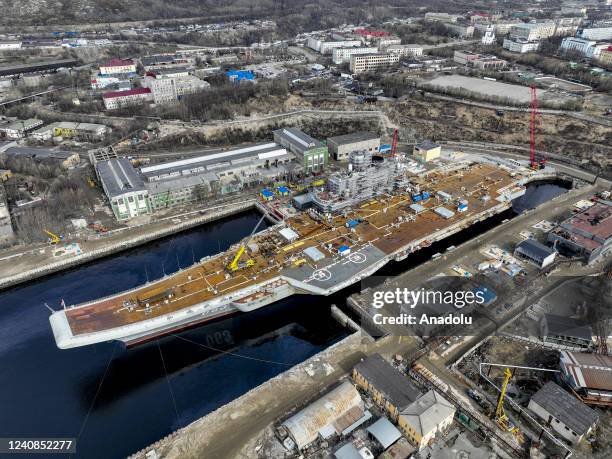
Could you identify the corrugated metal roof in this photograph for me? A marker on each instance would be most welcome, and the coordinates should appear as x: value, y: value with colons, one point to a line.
x: 306, y: 424
x: 118, y: 176
x: 385, y: 432
x: 534, y: 249
x: 565, y: 407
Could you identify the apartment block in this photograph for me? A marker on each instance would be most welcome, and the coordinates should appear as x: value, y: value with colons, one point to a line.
x: 368, y: 62
x: 342, y: 55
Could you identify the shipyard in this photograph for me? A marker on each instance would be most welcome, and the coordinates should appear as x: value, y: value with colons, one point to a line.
x: 306, y: 229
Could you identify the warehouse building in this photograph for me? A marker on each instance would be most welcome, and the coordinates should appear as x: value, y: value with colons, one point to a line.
x: 368, y: 62
x: 71, y: 130
x: 325, y: 47
x: 309, y: 152
x: 585, y: 234
x: 588, y: 375
x: 323, y: 418
x: 390, y: 389
x: 535, y: 252
x: 124, y: 188
x: 425, y: 418
x: 165, y: 61
x: 340, y: 146
x: 426, y: 151
x: 564, y: 413
x: 565, y: 331
x: 186, y: 180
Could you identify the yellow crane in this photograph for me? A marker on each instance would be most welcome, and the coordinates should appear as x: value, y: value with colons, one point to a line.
x: 53, y: 238
x: 236, y: 265
x: 500, y: 414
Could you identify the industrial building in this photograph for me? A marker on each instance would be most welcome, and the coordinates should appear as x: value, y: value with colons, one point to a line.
x: 364, y: 179
x: 384, y: 433
x: 340, y: 146
x: 428, y: 416
x: 124, y: 188
x: 65, y: 158
x: 342, y: 55
x: 165, y: 61
x: 588, y: 48
x: 71, y: 130
x: 309, y: 152
x: 535, y: 252
x: 118, y: 99
x: 118, y: 66
x: 18, y: 129
x: 324, y: 417
x: 389, y: 388
x: 39, y: 67
x: 426, y: 151
x: 367, y: 62
x: 585, y: 234
x: 533, y: 31
x: 565, y: 331
x: 588, y: 375
x: 564, y: 413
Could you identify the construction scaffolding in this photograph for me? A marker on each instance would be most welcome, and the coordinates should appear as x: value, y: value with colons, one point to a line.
x: 364, y: 179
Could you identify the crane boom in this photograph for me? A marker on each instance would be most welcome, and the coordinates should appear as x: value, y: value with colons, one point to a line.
x: 500, y: 413
x: 234, y: 266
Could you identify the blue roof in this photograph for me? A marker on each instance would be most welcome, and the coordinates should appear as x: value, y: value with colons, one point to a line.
x: 267, y: 193
x: 384, y: 147
x: 283, y: 189
x: 343, y: 248
x: 487, y: 294
x: 238, y: 75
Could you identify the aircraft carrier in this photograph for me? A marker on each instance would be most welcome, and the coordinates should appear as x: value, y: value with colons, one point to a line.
x: 319, y: 251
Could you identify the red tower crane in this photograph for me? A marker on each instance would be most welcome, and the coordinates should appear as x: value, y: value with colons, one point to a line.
x: 533, y: 162
x: 394, y: 144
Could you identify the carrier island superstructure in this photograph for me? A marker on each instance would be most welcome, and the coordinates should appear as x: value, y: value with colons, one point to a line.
x: 373, y: 212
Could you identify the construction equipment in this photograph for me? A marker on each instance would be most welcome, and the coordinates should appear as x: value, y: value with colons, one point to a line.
x: 236, y: 265
x: 53, y: 238
x: 533, y: 161
x: 91, y: 182
x: 500, y: 414
x: 394, y: 144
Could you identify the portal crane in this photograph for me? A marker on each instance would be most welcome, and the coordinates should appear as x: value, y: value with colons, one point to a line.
x: 533, y: 162
x: 500, y: 414
x: 235, y: 265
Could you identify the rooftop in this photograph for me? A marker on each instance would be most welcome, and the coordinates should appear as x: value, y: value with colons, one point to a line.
x: 534, y: 249
x: 427, y: 145
x: 426, y: 413
x: 298, y: 138
x: 117, y: 63
x: 566, y: 326
x: 353, y: 137
x: 566, y: 408
x: 129, y: 92
x: 397, y: 387
x: 39, y: 153
x: 592, y: 371
x: 590, y: 228
x: 118, y: 176
x: 385, y: 433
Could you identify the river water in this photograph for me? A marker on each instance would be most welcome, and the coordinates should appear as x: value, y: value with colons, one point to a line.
x: 117, y: 401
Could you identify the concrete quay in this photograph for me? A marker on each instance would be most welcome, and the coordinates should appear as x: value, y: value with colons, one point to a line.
x: 27, y: 266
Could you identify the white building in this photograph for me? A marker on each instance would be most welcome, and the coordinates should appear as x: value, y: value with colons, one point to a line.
x: 428, y: 416
x: 384, y: 42
x: 118, y: 66
x: 8, y: 45
x: 326, y: 47
x: 519, y: 45
x: 533, y: 31
x: 118, y: 99
x: 342, y: 55
x: 443, y: 17
x: 367, y: 62
x: 579, y: 45
x: 406, y: 50
x: 167, y: 90
x: 597, y: 33
x: 124, y: 188
x: 489, y: 36
x: 18, y: 129
x: 564, y: 413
